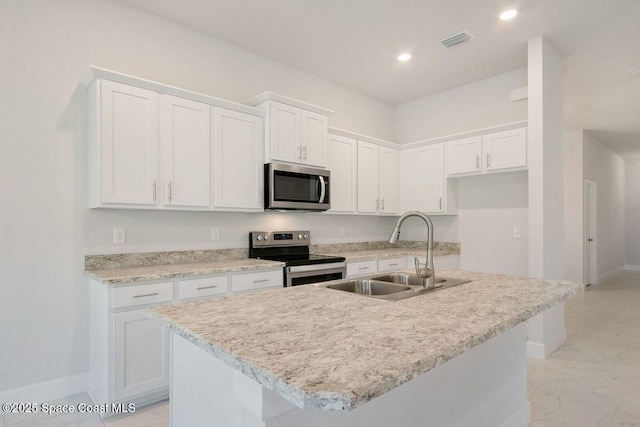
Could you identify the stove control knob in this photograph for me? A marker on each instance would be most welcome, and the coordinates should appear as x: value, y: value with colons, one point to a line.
x: 259, y: 237
x: 299, y: 236
x: 266, y: 237
x: 306, y: 236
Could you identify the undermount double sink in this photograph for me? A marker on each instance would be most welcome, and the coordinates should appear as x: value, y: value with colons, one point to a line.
x: 393, y: 286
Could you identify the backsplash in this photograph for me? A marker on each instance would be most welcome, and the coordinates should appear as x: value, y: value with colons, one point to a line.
x: 99, y: 262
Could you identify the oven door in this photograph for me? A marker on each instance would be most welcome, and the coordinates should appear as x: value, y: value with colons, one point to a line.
x: 305, y: 274
x: 296, y: 187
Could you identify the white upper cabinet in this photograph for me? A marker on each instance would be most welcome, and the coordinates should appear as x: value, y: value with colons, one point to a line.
x: 286, y: 132
x: 126, y: 123
x: 464, y: 156
x: 297, y: 131
x: 378, y: 179
x: 425, y: 187
x: 314, y: 138
x: 342, y: 161
x: 151, y: 146
x: 368, y: 176
x: 237, y: 160
x: 187, y: 160
x: 505, y: 150
x: 389, y: 180
x: 494, y: 152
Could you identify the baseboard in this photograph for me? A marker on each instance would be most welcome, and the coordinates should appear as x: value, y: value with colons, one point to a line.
x: 48, y: 390
x: 522, y: 417
x: 539, y: 350
x: 631, y: 267
x: 611, y: 273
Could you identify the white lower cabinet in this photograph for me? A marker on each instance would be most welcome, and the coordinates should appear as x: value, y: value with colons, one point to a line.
x: 392, y: 264
x: 129, y: 352
x: 141, y: 356
x: 362, y: 268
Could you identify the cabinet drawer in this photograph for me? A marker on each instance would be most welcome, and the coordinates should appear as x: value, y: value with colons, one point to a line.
x: 204, y: 287
x: 153, y: 293
x: 360, y: 268
x: 259, y: 280
x: 392, y: 264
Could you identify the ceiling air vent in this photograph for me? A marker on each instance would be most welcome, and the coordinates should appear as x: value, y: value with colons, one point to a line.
x: 456, y: 39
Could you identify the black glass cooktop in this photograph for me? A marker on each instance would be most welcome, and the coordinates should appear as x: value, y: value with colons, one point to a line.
x: 303, y: 259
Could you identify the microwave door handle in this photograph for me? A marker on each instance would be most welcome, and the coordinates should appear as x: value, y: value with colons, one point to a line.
x: 323, y: 188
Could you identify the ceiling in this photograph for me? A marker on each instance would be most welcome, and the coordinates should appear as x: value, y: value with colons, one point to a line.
x: 355, y: 43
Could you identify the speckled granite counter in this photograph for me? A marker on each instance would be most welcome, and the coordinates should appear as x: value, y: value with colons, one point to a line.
x: 115, y: 275
x: 327, y: 349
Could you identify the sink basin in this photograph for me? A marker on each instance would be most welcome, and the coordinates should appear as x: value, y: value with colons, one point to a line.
x: 370, y: 287
x: 392, y: 286
x: 413, y: 280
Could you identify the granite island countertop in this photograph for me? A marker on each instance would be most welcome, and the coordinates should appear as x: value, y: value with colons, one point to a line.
x: 325, y: 349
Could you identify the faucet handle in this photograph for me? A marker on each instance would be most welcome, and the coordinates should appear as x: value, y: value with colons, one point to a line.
x: 423, y: 271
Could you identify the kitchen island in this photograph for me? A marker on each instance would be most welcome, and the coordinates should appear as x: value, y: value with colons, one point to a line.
x: 315, y: 356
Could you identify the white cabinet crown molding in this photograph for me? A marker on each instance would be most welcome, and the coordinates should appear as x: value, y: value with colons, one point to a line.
x: 462, y: 135
x: 102, y: 73
x: 271, y: 96
x: 366, y: 138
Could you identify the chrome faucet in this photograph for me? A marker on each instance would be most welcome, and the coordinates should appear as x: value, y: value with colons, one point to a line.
x: 424, y: 271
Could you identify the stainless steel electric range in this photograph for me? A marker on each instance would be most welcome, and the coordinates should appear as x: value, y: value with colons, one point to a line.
x: 292, y: 248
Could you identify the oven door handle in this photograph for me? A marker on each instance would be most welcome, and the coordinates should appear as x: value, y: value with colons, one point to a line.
x: 316, y: 267
x: 323, y: 188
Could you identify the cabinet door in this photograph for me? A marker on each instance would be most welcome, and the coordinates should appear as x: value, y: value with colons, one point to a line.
x: 187, y: 164
x: 140, y: 354
x: 129, y: 144
x: 368, y: 201
x: 464, y: 156
x: 285, y: 132
x: 389, y: 180
x: 506, y: 150
x: 237, y: 159
x: 314, y: 138
x: 423, y: 179
x: 342, y: 161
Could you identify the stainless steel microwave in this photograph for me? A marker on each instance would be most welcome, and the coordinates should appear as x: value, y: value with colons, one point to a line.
x: 292, y: 187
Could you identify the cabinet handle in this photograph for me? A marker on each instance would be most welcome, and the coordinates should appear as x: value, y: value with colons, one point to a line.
x: 440, y: 203
x: 260, y: 280
x: 155, y: 192
x: 206, y: 287
x: 382, y: 207
x: 305, y: 153
x: 170, y: 192
x: 299, y: 153
x: 364, y: 268
x: 488, y: 160
x: 147, y: 295
x: 477, y: 161
x: 394, y: 264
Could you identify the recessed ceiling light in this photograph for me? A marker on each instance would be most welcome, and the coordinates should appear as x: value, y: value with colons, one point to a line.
x: 404, y: 57
x: 508, y: 14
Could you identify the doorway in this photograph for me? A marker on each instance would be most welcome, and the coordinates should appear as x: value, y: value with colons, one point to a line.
x: 590, y: 233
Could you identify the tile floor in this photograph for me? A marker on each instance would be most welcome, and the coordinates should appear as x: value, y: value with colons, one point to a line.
x: 592, y: 380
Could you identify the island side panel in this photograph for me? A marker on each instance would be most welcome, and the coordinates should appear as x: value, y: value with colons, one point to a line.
x: 485, y: 386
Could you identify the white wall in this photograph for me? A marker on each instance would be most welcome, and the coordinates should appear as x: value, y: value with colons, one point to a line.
x: 607, y: 169
x: 477, y: 105
x: 573, y: 204
x: 46, y: 228
x: 632, y: 213
x: 488, y: 209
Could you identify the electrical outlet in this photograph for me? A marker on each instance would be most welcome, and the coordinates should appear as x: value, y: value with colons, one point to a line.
x: 119, y: 236
x: 215, y: 233
x: 517, y: 232
x: 342, y: 232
